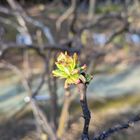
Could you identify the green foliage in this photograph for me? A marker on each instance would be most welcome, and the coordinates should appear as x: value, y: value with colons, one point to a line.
x: 68, y: 68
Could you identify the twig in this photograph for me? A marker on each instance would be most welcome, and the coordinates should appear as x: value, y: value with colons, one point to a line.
x: 66, y: 15
x: 4, y: 47
x: 19, y: 16
x: 30, y: 20
x: 11, y: 23
x: 86, y: 113
x: 39, y: 115
x: 74, y: 17
x: 64, y: 116
x: 52, y: 86
x: 17, y: 71
x: 117, y: 32
x: 98, y: 20
x: 43, y: 120
x: 117, y: 128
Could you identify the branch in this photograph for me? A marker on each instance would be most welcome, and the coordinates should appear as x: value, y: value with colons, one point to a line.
x: 64, y: 116
x: 98, y: 20
x: 16, y: 7
x: 118, y: 32
x: 34, y: 94
x: 11, y: 23
x: 17, y: 71
x: 40, y: 85
x: 30, y: 20
x: 4, y: 47
x: 117, y: 128
x: 43, y: 120
x: 66, y: 15
x: 74, y: 17
x: 91, y: 10
x: 86, y: 113
x: 38, y: 113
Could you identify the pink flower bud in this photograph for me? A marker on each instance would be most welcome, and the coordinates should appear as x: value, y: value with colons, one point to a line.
x: 78, y: 81
x: 84, y: 66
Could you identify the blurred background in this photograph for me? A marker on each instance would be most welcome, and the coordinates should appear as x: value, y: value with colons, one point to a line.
x: 106, y: 36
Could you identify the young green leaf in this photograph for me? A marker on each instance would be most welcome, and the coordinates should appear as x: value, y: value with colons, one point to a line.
x: 68, y: 68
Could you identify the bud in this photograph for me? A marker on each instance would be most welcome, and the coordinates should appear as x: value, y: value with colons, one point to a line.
x: 84, y: 67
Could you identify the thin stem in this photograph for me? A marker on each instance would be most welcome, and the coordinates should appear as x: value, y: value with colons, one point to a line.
x: 117, y: 128
x: 86, y: 113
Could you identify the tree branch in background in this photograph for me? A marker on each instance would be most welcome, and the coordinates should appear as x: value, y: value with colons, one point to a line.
x: 34, y: 94
x: 25, y: 83
x: 39, y: 115
x: 91, y: 9
x: 24, y: 30
x: 98, y: 20
x: 64, y: 116
x: 4, y: 47
x: 117, y: 32
x: 52, y: 86
x: 66, y: 15
x: 11, y: 23
x: 117, y: 128
x: 19, y: 17
x: 30, y: 20
x: 74, y: 17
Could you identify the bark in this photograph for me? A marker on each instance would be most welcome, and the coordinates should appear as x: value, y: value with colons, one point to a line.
x: 86, y: 113
x: 117, y: 128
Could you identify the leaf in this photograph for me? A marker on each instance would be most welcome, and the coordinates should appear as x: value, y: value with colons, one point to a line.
x: 82, y: 78
x: 69, y: 69
x: 88, y: 78
x: 63, y: 68
x: 59, y: 73
x: 75, y: 58
x: 61, y: 57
